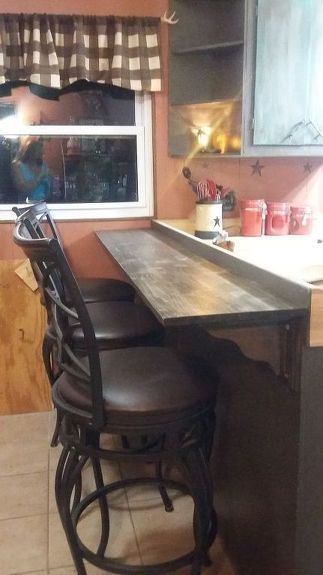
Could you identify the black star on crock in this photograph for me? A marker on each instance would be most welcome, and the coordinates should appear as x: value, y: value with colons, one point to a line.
x: 216, y: 222
x: 308, y: 167
x: 256, y: 168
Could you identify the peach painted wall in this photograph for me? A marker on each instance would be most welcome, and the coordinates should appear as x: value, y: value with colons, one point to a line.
x: 86, y: 254
x: 280, y: 179
x: 295, y: 180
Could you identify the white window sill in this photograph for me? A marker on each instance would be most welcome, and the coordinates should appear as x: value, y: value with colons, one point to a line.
x: 86, y: 212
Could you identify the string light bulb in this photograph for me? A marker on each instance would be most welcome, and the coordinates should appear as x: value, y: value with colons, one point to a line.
x: 203, y: 136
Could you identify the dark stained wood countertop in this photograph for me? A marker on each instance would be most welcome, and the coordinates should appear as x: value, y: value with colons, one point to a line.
x: 182, y: 287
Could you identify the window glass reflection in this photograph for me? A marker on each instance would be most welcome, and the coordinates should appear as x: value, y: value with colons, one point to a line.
x: 78, y: 169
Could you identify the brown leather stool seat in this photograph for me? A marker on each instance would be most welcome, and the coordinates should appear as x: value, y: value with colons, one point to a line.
x: 116, y: 325
x: 143, y: 386
x: 120, y: 324
x: 106, y: 289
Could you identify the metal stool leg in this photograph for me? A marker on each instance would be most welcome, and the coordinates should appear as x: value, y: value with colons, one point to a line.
x: 67, y: 478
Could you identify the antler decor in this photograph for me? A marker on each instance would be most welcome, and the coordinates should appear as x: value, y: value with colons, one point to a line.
x: 170, y: 19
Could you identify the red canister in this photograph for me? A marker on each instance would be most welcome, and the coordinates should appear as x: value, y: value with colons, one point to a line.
x: 301, y: 220
x: 252, y: 214
x: 277, y: 219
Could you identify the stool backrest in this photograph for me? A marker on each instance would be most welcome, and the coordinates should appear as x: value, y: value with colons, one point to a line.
x: 65, y: 304
x: 41, y: 219
x: 32, y: 218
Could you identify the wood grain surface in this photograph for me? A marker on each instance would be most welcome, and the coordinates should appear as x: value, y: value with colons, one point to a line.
x: 316, y: 319
x: 24, y: 386
x: 280, y: 284
x: 183, y: 288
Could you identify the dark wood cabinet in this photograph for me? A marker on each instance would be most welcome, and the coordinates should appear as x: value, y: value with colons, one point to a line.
x: 206, y: 70
x: 247, y: 73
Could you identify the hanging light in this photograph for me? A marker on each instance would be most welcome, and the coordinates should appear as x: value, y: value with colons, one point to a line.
x: 203, y: 136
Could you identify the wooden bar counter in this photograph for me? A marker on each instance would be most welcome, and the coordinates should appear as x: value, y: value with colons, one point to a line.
x: 268, y: 455
x: 182, y: 287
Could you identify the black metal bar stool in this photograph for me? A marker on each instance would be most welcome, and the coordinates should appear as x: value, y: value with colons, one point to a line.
x: 93, y: 289
x: 116, y: 323
x: 150, y: 392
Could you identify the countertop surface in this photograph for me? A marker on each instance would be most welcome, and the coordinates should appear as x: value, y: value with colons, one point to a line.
x: 183, y: 286
x: 296, y: 257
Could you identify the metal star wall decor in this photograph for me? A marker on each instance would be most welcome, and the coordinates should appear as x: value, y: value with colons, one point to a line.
x: 308, y: 167
x: 257, y: 168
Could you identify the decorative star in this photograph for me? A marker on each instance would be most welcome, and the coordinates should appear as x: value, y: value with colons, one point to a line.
x: 256, y: 168
x: 308, y: 167
x: 216, y: 222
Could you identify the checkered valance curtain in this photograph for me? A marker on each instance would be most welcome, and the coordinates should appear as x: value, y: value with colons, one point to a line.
x: 57, y: 50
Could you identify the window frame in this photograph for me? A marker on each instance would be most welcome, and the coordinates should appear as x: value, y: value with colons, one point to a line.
x: 144, y: 206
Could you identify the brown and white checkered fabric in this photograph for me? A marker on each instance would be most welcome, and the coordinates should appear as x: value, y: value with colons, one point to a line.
x: 57, y: 50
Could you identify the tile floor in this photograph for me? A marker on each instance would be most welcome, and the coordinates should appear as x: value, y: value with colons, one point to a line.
x: 31, y: 537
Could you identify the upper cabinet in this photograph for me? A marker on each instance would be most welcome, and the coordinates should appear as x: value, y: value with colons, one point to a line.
x: 205, y: 73
x: 246, y: 76
x: 283, y: 80
x: 206, y: 51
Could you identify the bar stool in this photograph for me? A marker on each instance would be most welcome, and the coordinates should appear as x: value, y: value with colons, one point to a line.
x: 150, y: 392
x: 116, y: 323
x: 93, y: 289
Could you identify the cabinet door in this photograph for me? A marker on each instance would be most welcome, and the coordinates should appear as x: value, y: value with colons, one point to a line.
x: 314, y: 133
x: 288, y: 108
x: 282, y: 72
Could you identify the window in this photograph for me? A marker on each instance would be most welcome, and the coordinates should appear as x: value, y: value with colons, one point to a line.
x: 96, y: 146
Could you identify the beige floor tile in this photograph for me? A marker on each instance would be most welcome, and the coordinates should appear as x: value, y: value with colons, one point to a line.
x: 52, y: 507
x: 58, y: 550
x: 142, y: 492
x: 24, y: 459
x: 162, y: 536
x: 21, y: 459
x: 52, y: 421
x: 108, y: 441
x: 122, y: 543
x: 220, y: 563
x: 23, y: 545
x: 23, y: 495
x: 110, y: 472
x: 90, y: 569
x: 25, y: 428
x: 64, y: 571
x: 54, y: 455
x: 220, y: 566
